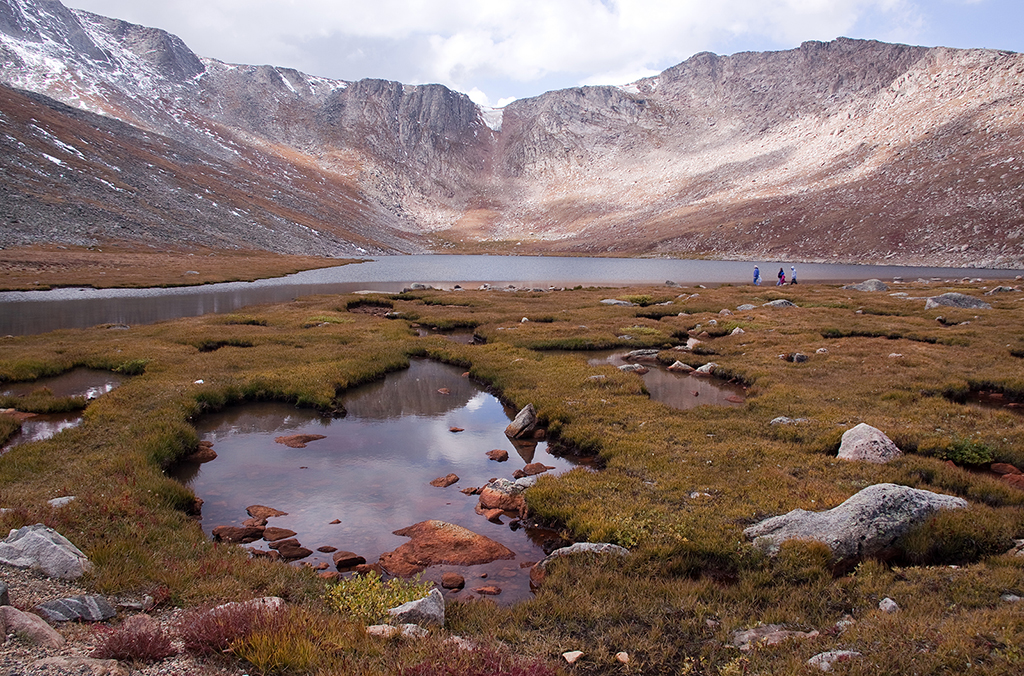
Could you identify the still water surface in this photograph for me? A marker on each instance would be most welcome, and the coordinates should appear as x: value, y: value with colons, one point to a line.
x: 88, y: 383
x: 31, y: 312
x: 373, y: 470
x: 677, y: 390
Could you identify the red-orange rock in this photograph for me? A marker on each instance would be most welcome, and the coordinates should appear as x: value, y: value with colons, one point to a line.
x: 272, y: 534
x: 494, y: 499
x: 445, y: 481
x: 536, y: 468
x: 366, y: 568
x: 490, y: 590
x: 263, y: 512
x: 498, y: 455
x: 236, y: 534
x: 472, y: 490
x: 204, y: 454
x: 329, y: 575
x: 456, y: 429
x: 347, y: 560
x: 437, y: 542
x: 298, y: 440
x: 326, y: 549
x: 1015, y: 480
x: 444, y: 390
x: 452, y: 581
x: 1004, y: 468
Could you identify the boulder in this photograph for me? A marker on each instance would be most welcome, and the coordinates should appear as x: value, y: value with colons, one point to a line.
x: 488, y: 590
x: 956, y: 300
x: 347, y: 560
x: 746, y: 307
x: 91, y: 608
x: 5, y: 597
x: 534, y: 468
x: 524, y: 423
x: 782, y: 302
x: 498, y: 455
x: 505, y: 495
x: 1002, y: 289
x: 326, y: 549
x: 242, y: 534
x: 204, y: 454
x: 422, y: 612
x: 29, y: 627
x: 41, y: 548
x: 867, y: 524
x: 737, y: 332
x: 887, y: 605
x: 767, y: 634
x: 1004, y: 468
x: 868, y: 285
x: 62, y: 501
x: 615, y: 301
x: 539, y: 569
x: 437, y: 542
x: 680, y: 367
x: 298, y: 440
x: 639, y: 369
x: 290, y: 549
x: 707, y: 369
x: 864, y: 442
x: 445, y: 481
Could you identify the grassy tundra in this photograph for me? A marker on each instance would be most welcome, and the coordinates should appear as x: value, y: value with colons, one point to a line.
x: 676, y: 487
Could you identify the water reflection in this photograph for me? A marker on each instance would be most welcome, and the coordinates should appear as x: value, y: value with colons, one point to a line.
x: 88, y: 383
x: 373, y: 470
x: 678, y: 390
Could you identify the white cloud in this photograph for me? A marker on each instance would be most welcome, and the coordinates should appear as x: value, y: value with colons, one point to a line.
x: 464, y: 43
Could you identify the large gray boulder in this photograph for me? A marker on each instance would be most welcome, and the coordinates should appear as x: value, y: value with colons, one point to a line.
x: 867, y: 524
x: 424, y: 612
x: 956, y: 300
x: 41, y: 548
x: 525, y: 422
x: 869, y: 444
x: 539, y: 570
x: 782, y: 302
x: 868, y: 285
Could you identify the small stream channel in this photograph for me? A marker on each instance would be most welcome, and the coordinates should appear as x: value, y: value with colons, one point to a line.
x: 88, y: 383
x: 373, y: 469
x: 677, y: 390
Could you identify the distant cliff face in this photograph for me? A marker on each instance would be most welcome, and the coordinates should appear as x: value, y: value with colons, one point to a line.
x: 849, y: 150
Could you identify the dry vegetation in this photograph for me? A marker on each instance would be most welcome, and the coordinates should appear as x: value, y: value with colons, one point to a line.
x: 676, y: 488
x: 32, y: 268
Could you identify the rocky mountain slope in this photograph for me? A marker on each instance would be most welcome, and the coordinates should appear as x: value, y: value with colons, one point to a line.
x: 849, y: 151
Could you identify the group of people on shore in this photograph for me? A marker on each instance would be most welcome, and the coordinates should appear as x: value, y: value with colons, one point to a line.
x: 782, y: 276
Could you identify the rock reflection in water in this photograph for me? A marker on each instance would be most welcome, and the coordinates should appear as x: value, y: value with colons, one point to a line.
x: 373, y: 470
x: 679, y: 390
x: 88, y: 383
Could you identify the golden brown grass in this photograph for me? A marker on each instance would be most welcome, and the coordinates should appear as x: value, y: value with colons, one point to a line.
x: 49, y: 266
x: 677, y: 487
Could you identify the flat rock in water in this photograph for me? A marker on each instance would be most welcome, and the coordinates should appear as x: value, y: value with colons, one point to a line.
x: 244, y: 534
x: 298, y: 440
x: 534, y: 468
x: 956, y: 300
x: 437, y: 542
x: 868, y: 523
x: 273, y: 534
x: 445, y: 481
x: 91, y: 608
x: 263, y: 512
x: 347, y: 560
x: 498, y: 455
x: 39, y: 547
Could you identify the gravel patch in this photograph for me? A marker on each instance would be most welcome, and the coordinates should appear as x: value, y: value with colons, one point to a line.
x: 17, y: 658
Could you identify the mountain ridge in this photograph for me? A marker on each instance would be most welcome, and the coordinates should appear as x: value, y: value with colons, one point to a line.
x: 851, y: 150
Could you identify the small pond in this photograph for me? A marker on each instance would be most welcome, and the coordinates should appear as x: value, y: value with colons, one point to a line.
x: 88, y: 383
x: 373, y: 469
x: 677, y: 390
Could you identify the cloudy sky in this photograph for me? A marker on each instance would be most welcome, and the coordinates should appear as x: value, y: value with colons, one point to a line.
x: 499, y: 50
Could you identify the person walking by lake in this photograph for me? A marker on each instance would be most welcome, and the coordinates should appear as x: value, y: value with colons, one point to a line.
x: 757, y: 276
x: 782, y: 277
x: 792, y: 276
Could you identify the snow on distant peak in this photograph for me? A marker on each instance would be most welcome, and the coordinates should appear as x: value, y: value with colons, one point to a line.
x: 631, y: 88
x: 492, y: 117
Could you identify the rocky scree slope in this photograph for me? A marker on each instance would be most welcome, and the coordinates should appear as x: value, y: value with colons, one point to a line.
x: 849, y: 151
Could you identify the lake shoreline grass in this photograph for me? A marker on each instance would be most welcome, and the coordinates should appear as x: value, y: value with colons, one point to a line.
x: 676, y: 487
